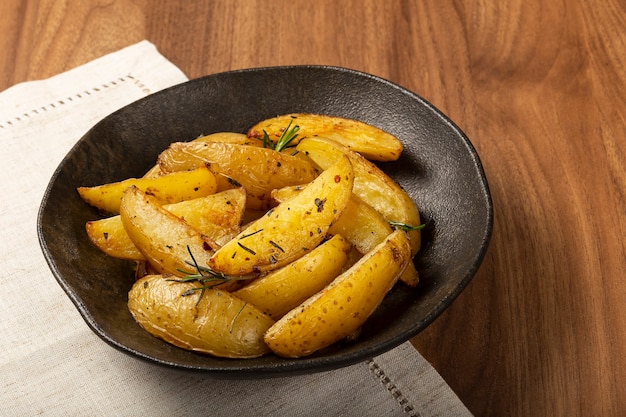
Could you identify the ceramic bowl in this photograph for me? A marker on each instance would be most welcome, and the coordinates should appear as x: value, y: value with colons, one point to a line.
x: 439, y: 168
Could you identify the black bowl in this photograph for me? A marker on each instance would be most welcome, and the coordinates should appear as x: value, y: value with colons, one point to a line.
x: 439, y: 169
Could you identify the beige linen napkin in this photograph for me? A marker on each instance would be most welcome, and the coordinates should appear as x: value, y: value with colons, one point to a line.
x: 52, y: 364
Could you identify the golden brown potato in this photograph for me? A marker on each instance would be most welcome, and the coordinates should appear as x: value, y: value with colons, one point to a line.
x: 360, y: 224
x: 283, y: 289
x: 365, y: 228
x: 170, y: 188
x: 210, y: 321
x: 371, y: 142
x: 341, y: 308
x: 163, y: 238
x: 371, y: 184
x: 291, y: 229
x: 217, y: 216
x: 224, y: 137
x: 258, y: 170
x: 110, y: 237
x: 230, y: 137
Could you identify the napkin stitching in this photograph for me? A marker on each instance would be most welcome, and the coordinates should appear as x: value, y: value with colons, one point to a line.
x: 61, y: 102
x: 393, y: 389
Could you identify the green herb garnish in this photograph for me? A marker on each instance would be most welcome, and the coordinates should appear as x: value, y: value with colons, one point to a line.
x: 207, y: 277
x: 406, y: 227
x: 288, y: 136
x: 232, y: 323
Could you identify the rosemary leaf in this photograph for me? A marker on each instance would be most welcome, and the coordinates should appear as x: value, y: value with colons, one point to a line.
x: 406, y: 227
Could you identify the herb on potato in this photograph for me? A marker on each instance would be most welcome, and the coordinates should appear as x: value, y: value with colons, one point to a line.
x: 404, y: 226
x: 288, y: 136
x: 206, y: 276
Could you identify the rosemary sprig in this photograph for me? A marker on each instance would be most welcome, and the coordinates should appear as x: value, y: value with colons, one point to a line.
x: 251, y: 234
x: 232, y: 323
x: 288, y: 136
x: 207, y: 277
x: 406, y: 227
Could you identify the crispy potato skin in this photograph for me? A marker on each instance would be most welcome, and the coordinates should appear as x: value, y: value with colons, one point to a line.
x: 283, y: 289
x: 360, y: 224
x: 259, y: 170
x: 341, y: 308
x: 167, y: 189
x: 291, y: 229
x: 230, y: 137
x: 110, y: 237
x: 162, y: 237
x: 217, y: 216
x: 216, y: 323
x: 365, y: 228
x: 371, y: 142
x: 371, y: 184
x: 224, y: 137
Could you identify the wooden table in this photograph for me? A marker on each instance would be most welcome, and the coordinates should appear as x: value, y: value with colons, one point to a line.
x: 540, y: 89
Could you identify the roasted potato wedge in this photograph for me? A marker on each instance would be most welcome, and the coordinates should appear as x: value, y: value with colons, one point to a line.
x: 209, y: 321
x: 259, y: 170
x: 170, y: 188
x: 110, y: 237
x: 371, y: 184
x: 291, y: 229
x: 164, y: 239
x: 365, y: 228
x: 343, y: 306
x: 230, y: 137
x: 283, y: 289
x: 371, y: 142
x: 224, y: 137
x: 360, y: 224
x: 217, y: 216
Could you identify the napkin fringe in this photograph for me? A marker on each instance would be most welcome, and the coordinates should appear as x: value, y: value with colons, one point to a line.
x: 391, y: 387
x: 12, y: 121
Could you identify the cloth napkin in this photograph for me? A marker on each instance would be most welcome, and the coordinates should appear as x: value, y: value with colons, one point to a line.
x: 52, y: 364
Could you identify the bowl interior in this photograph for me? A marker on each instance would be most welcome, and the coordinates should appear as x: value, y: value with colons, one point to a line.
x: 439, y: 169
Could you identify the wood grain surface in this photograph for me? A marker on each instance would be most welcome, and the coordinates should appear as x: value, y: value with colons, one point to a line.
x: 540, y: 89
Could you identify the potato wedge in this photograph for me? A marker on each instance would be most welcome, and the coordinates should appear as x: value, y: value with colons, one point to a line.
x: 224, y: 137
x: 365, y: 228
x: 371, y: 142
x: 163, y: 238
x: 110, y: 237
x: 213, y: 321
x: 371, y: 184
x: 343, y: 306
x: 291, y: 229
x: 170, y: 188
x: 283, y: 289
x: 360, y: 224
x: 217, y: 216
x: 258, y: 170
x: 230, y: 137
